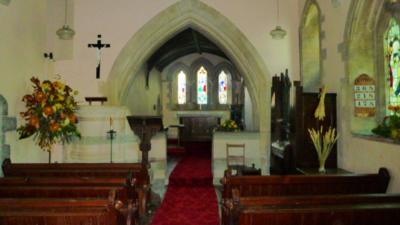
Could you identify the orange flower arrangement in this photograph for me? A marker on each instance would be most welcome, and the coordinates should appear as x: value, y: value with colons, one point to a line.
x: 228, y: 125
x: 394, y: 108
x: 50, y: 114
x: 390, y: 126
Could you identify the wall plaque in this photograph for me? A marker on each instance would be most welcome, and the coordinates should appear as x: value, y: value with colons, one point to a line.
x: 364, y: 96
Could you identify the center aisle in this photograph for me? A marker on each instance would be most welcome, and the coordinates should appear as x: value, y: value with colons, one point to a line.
x: 191, y: 197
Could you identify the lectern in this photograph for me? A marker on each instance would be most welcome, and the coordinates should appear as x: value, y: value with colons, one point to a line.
x: 145, y: 127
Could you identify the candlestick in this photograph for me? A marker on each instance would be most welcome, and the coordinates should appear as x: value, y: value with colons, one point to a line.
x: 111, y: 123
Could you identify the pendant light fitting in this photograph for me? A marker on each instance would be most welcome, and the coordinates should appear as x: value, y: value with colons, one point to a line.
x: 65, y: 32
x: 277, y: 33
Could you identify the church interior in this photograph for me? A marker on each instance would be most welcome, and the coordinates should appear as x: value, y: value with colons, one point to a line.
x: 200, y: 112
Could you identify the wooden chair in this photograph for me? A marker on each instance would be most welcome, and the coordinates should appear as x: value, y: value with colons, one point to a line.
x: 235, y: 155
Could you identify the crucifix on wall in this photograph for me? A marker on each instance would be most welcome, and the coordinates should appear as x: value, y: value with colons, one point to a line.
x: 99, y: 45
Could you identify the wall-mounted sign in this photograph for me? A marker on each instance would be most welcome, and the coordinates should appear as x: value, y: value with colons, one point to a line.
x: 364, y: 96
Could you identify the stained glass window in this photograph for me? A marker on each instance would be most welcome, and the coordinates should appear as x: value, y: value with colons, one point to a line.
x: 223, y: 88
x: 181, y: 88
x: 202, y: 86
x: 392, y: 45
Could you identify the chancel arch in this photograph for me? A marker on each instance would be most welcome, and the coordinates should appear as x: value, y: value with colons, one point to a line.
x: 197, y: 15
x: 310, y: 47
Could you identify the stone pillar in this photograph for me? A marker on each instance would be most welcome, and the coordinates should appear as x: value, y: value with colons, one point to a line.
x: 6, y: 124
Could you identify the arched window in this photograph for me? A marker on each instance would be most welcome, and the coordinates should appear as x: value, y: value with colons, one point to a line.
x: 223, y: 88
x: 310, y: 45
x: 202, y: 86
x: 181, y: 88
x: 392, y: 62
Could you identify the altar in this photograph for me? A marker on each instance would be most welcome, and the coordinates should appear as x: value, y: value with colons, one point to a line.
x: 253, y: 154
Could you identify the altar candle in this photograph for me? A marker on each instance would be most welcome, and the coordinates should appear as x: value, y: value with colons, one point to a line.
x: 111, y: 123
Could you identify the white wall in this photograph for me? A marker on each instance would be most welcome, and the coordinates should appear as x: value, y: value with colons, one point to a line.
x: 142, y: 100
x: 62, y: 49
x: 118, y: 20
x: 22, y: 44
x: 355, y: 153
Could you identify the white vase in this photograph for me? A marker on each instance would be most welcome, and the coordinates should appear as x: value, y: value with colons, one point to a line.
x: 322, y: 166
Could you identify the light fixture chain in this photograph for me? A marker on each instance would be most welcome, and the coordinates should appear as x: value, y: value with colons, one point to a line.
x: 66, y: 5
x: 277, y: 14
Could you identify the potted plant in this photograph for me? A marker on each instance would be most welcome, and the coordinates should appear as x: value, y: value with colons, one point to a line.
x: 50, y: 114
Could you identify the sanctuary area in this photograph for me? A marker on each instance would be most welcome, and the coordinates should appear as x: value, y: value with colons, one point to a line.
x: 200, y: 112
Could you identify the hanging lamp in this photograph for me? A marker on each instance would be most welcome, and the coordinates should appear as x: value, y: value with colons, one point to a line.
x: 65, y: 33
x: 278, y: 33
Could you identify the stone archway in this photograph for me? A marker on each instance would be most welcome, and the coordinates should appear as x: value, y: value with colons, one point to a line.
x: 216, y: 27
x: 6, y: 124
x: 363, y: 39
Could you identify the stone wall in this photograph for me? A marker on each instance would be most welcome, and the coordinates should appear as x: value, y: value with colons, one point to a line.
x: 6, y: 124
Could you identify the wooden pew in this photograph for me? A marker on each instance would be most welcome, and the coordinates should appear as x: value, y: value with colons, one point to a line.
x: 86, y: 169
x: 362, y: 214
x: 135, y: 173
x: 306, y: 185
x: 64, y: 181
x: 18, y: 166
x: 119, y: 194
x: 73, y: 173
x: 239, y: 207
x: 291, y: 185
x: 63, y: 212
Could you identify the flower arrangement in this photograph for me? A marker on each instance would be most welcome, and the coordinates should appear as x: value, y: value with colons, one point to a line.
x: 390, y: 126
x: 228, y: 125
x: 323, y: 140
x: 323, y: 143
x: 50, y: 114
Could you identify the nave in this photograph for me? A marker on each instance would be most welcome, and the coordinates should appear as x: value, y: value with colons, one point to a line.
x: 205, y: 68
x: 120, y: 193
x: 191, y: 197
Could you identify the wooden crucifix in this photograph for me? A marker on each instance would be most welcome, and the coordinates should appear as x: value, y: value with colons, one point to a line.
x: 99, y: 45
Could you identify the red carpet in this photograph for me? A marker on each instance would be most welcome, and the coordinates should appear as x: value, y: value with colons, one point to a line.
x: 175, y: 150
x: 191, y: 197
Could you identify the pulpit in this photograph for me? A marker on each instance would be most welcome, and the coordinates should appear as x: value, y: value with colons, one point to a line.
x: 145, y: 127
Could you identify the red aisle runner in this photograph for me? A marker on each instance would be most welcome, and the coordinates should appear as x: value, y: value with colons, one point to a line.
x: 191, y: 197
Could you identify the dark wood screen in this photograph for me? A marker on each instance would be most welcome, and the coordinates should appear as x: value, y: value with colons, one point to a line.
x: 198, y: 128
x: 304, y: 153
